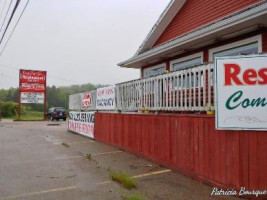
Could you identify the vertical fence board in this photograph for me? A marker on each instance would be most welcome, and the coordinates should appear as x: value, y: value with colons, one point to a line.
x: 253, y: 161
x: 211, y: 154
x: 262, y: 158
x: 217, y: 157
x: 201, y: 139
x: 196, y: 146
x: 236, y: 160
x: 229, y: 159
x: 244, y: 158
x: 223, y: 157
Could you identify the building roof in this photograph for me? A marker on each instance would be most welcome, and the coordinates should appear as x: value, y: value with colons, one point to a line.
x: 240, y: 22
x: 163, y: 21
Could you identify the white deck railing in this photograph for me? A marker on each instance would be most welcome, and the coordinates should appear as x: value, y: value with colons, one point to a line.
x: 185, y: 90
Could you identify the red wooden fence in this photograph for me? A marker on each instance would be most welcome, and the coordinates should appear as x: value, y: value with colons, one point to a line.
x: 191, y: 145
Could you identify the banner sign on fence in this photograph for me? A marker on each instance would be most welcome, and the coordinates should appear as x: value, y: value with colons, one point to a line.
x: 87, y: 99
x: 32, y: 97
x: 105, y: 98
x: 241, y: 93
x: 82, y: 123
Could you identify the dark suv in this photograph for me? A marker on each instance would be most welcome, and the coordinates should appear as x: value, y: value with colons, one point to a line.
x: 57, y: 113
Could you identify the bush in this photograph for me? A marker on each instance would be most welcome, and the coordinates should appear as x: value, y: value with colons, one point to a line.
x: 8, y: 109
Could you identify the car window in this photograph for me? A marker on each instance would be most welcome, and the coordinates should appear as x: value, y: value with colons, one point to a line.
x: 60, y: 110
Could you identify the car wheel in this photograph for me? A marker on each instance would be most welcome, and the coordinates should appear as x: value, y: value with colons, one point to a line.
x: 64, y: 119
x: 57, y: 119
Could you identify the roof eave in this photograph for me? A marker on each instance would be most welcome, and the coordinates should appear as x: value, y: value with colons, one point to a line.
x: 196, y: 35
x: 163, y: 21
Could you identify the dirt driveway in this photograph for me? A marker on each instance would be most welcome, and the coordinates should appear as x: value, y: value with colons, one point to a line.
x: 41, y: 160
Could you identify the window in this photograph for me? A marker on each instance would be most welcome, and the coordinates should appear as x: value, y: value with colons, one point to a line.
x: 251, y: 45
x: 242, y: 50
x: 187, y: 62
x: 156, y: 70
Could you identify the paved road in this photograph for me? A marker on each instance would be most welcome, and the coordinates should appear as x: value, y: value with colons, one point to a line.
x: 34, y: 164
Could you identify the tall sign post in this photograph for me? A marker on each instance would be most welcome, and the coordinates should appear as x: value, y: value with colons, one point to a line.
x: 241, y: 93
x: 32, y: 88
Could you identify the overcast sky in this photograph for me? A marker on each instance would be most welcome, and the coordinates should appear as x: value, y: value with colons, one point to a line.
x: 78, y: 41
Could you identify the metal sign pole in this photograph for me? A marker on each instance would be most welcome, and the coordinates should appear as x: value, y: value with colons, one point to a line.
x: 45, y: 96
x: 19, y: 99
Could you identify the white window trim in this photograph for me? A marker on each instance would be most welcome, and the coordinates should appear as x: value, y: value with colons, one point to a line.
x: 196, y: 55
x: 257, y: 38
x: 153, y: 67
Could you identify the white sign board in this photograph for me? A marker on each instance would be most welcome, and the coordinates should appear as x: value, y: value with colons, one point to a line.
x: 241, y: 93
x: 82, y: 123
x: 87, y: 99
x: 32, y: 97
x: 105, y: 98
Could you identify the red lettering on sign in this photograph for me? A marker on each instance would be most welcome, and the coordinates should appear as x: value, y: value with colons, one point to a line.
x: 231, y: 72
x: 263, y: 76
x: 86, y: 101
x: 32, y: 81
x: 250, y: 77
x: 109, y: 91
x: 234, y: 76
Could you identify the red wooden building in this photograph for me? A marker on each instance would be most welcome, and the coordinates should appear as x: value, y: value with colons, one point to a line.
x: 188, y: 34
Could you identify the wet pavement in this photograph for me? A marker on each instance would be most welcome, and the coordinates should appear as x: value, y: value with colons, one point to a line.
x: 41, y: 160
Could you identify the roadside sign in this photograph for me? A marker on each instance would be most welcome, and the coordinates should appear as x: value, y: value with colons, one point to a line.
x: 32, y: 88
x: 241, y: 92
x: 32, y: 76
x: 32, y: 97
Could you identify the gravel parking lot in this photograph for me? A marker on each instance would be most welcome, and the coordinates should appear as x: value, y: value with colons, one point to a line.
x: 41, y: 160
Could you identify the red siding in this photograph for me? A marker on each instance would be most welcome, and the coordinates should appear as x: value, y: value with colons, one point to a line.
x: 197, y: 13
x: 206, y: 55
x: 264, y: 42
x: 191, y: 145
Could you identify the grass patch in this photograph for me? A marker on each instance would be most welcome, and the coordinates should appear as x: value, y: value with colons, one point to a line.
x: 13, y: 117
x: 65, y: 144
x: 88, y: 156
x: 122, y: 178
x: 133, y: 197
x: 30, y: 116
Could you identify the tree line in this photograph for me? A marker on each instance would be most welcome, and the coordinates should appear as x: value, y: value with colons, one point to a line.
x: 56, y: 97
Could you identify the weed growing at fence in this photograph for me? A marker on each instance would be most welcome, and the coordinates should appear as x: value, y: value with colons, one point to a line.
x: 133, y: 197
x: 122, y: 178
x: 65, y: 144
x: 88, y: 156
